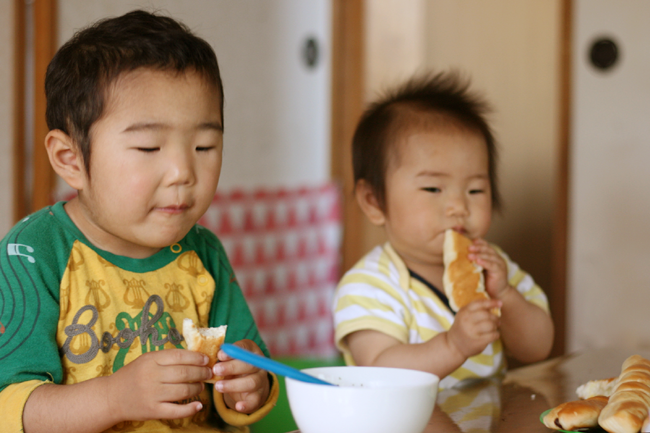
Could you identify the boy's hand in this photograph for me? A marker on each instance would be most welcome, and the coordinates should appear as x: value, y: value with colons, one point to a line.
x: 496, y: 270
x: 474, y: 328
x: 150, y: 386
x: 245, y: 387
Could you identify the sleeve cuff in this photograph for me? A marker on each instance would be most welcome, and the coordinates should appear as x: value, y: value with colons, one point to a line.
x: 234, y: 418
x: 12, y: 401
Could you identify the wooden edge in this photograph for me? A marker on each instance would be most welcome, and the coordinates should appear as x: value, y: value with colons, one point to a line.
x: 347, y: 105
x: 561, y: 218
x: 45, y: 44
x: 19, y: 199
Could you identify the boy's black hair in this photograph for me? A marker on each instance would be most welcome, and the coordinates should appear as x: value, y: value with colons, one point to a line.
x: 439, y: 100
x: 79, y: 77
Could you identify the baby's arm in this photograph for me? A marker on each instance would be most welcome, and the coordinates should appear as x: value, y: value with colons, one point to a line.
x: 526, y: 329
x: 474, y: 328
x: 146, y: 388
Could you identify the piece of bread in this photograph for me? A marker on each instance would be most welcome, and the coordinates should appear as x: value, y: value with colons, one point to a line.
x: 205, y: 340
x: 462, y: 279
x: 604, y: 387
x: 576, y: 414
x: 629, y: 404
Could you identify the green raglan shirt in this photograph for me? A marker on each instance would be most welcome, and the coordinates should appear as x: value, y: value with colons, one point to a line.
x: 70, y: 312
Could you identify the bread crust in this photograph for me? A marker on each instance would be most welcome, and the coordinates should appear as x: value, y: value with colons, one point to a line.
x: 205, y: 340
x: 629, y: 404
x: 576, y: 414
x: 462, y: 279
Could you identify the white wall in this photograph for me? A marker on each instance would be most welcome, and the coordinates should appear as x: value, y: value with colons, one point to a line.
x: 609, y: 282
x: 277, y: 112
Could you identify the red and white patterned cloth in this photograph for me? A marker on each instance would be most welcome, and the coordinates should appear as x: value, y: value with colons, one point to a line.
x: 284, y: 246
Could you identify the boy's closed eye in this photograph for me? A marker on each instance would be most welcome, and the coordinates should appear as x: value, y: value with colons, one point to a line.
x: 205, y: 148
x: 476, y: 191
x: 432, y: 189
x: 148, y: 149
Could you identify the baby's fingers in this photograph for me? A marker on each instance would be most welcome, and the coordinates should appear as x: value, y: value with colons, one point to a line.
x: 487, y: 304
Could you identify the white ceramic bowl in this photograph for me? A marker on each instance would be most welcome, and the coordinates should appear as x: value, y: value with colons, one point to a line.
x: 368, y: 399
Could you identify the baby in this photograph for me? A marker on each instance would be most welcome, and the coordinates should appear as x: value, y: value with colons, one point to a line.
x: 424, y: 161
x: 94, y: 290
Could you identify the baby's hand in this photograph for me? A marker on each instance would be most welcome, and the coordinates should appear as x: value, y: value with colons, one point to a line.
x: 496, y: 270
x: 151, y: 386
x: 475, y: 327
x: 245, y: 387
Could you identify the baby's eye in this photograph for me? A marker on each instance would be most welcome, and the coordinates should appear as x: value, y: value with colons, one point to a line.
x: 476, y: 191
x: 204, y: 148
x: 148, y: 149
x: 431, y: 189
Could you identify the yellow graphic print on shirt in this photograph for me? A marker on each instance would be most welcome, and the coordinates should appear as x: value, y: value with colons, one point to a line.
x: 109, y: 316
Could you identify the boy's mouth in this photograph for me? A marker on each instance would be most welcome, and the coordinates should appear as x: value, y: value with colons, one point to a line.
x: 173, y: 209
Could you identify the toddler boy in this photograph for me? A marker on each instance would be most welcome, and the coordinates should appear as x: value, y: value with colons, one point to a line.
x: 424, y: 162
x: 94, y: 291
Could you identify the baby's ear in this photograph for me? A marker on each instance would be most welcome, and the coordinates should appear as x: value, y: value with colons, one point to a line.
x: 65, y: 158
x: 368, y: 203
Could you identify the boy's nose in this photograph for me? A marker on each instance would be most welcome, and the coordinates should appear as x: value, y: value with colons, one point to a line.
x: 180, y: 169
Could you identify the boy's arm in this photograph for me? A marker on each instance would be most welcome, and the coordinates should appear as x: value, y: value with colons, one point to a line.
x: 50, y: 408
x: 146, y: 388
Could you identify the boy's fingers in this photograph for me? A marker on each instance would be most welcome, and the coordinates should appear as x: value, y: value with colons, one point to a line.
x: 181, y: 357
x: 177, y: 411
x: 180, y: 392
x: 186, y: 374
x: 249, y: 404
x: 248, y: 383
x: 234, y: 367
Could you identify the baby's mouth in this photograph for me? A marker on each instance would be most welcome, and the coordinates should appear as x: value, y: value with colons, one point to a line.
x: 460, y: 229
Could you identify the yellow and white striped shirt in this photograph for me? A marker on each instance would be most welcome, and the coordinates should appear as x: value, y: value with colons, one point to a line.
x: 378, y: 293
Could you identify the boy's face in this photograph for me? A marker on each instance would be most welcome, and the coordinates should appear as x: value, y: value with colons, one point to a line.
x: 436, y: 181
x: 155, y: 162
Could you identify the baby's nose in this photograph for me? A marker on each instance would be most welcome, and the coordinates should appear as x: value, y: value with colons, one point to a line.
x: 457, y: 206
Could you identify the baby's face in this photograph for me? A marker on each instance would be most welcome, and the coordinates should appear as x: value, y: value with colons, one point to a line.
x: 155, y: 162
x: 436, y: 181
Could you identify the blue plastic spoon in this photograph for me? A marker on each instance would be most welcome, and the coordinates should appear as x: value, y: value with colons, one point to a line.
x: 269, y: 364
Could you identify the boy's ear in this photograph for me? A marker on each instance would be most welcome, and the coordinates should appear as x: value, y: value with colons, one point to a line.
x: 368, y: 202
x: 65, y: 158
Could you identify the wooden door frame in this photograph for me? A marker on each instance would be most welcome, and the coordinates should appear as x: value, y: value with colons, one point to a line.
x: 19, y: 203
x: 558, y: 294
x: 44, y: 13
x: 45, y: 46
x: 347, y: 105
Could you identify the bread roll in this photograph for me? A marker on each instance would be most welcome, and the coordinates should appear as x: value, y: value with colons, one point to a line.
x: 629, y: 404
x: 593, y: 388
x: 205, y: 340
x: 462, y: 279
x: 576, y: 414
